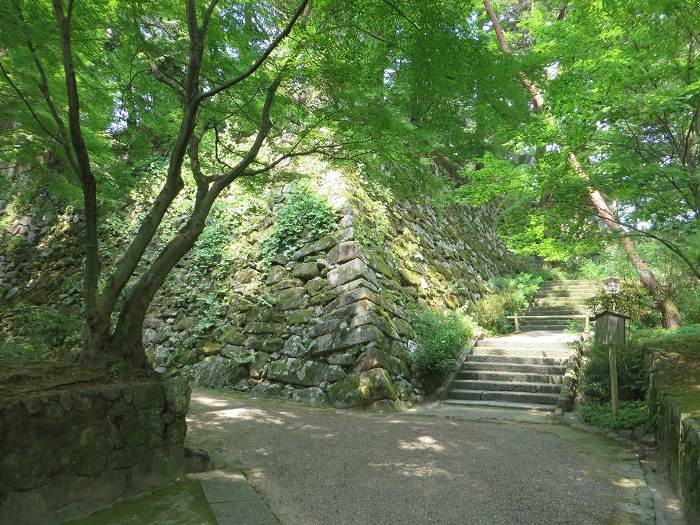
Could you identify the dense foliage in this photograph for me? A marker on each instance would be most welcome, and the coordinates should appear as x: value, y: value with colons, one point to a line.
x: 416, y: 95
x: 631, y: 372
x: 631, y: 415
x: 509, y: 295
x: 441, y: 339
x: 303, y: 217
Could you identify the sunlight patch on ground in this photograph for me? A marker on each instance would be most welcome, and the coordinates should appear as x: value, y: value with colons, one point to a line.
x: 209, y: 401
x: 249, y: 414
x: 414, y: 470
x: 421, y: 443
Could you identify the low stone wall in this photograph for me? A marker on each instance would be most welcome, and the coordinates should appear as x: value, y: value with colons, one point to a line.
x: 678, y: 436
x: 66, y: 453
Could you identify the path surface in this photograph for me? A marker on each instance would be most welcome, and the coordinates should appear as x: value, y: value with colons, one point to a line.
x: 319, y: 466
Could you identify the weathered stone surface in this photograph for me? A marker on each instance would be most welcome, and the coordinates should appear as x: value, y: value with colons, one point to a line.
x: 316, y: 285
x: 343, y: 252
x: 409, y: 277
x: 266, y: 389
x: 277, y: 274
x: 305, y: 271
x: 218, y: 372
x: 349, y: 271
x: 257, y: 367
x: 300, y: 317
x: 233, y: 336
x: 321, y: 245
x: 341, y: 338
x: 211, y: 348
x: 185, y: 324
x: 263, y: 343
x: 291, y: 299
x: 67, y: 467
x: 294, y: 346
x: 375, y: 357
x: 362, y: 389
x: 303, y: 372
x: 311, y: 396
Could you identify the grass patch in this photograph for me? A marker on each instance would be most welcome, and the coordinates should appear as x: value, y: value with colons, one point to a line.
x: 631, y: 415
x: 682, y: 347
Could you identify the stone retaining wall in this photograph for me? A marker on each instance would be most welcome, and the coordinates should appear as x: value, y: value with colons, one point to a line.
x: 328, y: 323
x: 67, y: 453
x: 678, y: 436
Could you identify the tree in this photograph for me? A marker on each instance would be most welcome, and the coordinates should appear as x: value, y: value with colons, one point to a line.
x: 193, y: 90
x: 671, y: 315
x: 219, y: 88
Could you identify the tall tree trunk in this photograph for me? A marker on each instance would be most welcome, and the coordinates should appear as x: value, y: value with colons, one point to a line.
x: 670, y: 314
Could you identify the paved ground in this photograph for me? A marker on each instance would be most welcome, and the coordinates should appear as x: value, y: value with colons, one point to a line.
x: 319, y: 466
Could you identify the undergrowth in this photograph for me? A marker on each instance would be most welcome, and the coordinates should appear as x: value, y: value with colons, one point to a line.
x: 631, y: 415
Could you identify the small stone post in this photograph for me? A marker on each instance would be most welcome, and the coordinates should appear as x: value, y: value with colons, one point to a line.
x: 517, y: 323
x: 610, y: 332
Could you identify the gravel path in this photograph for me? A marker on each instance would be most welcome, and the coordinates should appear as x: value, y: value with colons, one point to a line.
x: 319, y: 466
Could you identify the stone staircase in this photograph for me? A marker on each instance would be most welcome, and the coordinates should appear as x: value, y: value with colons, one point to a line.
x: 525, y: 370
x: 561, y: 301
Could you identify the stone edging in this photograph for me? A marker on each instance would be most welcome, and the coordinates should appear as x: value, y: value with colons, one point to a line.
x: 233, y: 500
x: 646, y: 497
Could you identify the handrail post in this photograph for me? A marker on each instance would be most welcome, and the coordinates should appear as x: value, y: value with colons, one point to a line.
x: 587, y: 325
x: 517, y: 324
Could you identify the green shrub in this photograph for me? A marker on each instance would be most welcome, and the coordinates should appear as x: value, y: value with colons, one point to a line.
x: 630, y: 416
x: 304, y: 217
x: 632, y: 300
x: 441, y: 339
x: 41, y: 332
x: 631, y: 373
x: 510, y: 294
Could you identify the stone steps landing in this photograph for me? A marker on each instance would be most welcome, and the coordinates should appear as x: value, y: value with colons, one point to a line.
x: 523, y: 371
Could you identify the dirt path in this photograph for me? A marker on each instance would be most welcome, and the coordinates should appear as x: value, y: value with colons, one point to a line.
x: 319, y: 466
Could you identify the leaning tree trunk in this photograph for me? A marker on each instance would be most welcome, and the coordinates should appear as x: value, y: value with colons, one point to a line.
x: 127, y: 338
x: 671, y: 316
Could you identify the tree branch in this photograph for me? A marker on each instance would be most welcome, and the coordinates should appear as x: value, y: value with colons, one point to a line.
x: 261, y: 59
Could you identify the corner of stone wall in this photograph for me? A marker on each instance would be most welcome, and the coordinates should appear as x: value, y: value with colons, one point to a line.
x: 67, y: 453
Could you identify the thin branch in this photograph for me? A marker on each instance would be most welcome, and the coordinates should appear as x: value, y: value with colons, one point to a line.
x: 168, y: 81
x: 261, y: 59
x: 29, y: 106
x: 401, y: 14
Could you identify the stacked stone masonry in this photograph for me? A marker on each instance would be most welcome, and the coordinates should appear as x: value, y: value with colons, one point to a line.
x: 330, y: 323
x: 67, y: 453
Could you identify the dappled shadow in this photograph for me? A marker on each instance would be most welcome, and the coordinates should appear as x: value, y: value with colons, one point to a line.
x: 319, y: 465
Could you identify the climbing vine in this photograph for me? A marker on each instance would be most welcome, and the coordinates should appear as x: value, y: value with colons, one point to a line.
x: 304, y: 217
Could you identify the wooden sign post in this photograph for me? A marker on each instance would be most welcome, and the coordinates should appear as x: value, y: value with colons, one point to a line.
x: 610, y: 332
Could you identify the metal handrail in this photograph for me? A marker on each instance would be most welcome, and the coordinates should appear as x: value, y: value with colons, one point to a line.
x: 585, y: 317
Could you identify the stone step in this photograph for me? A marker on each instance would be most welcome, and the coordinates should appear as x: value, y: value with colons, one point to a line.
x: 559, y: 301
x: 549, y: 317
x: 499, y: 375
x: 549, y: 321
x: 561, y: 353
x: 476, y: 384
x: 506, y: 342
x: 504, y: 366
x: 547, y: 328
x: 583, y: 294
x: 569, y: 282
x: 506, y: 396
x: 551, y: 361
x: 501, y: 404
x: 557, y: 310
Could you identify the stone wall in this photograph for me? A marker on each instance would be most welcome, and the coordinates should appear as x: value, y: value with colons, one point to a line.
x: 678, y: 435
x: 328, y: 322
x: 66, y: 453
